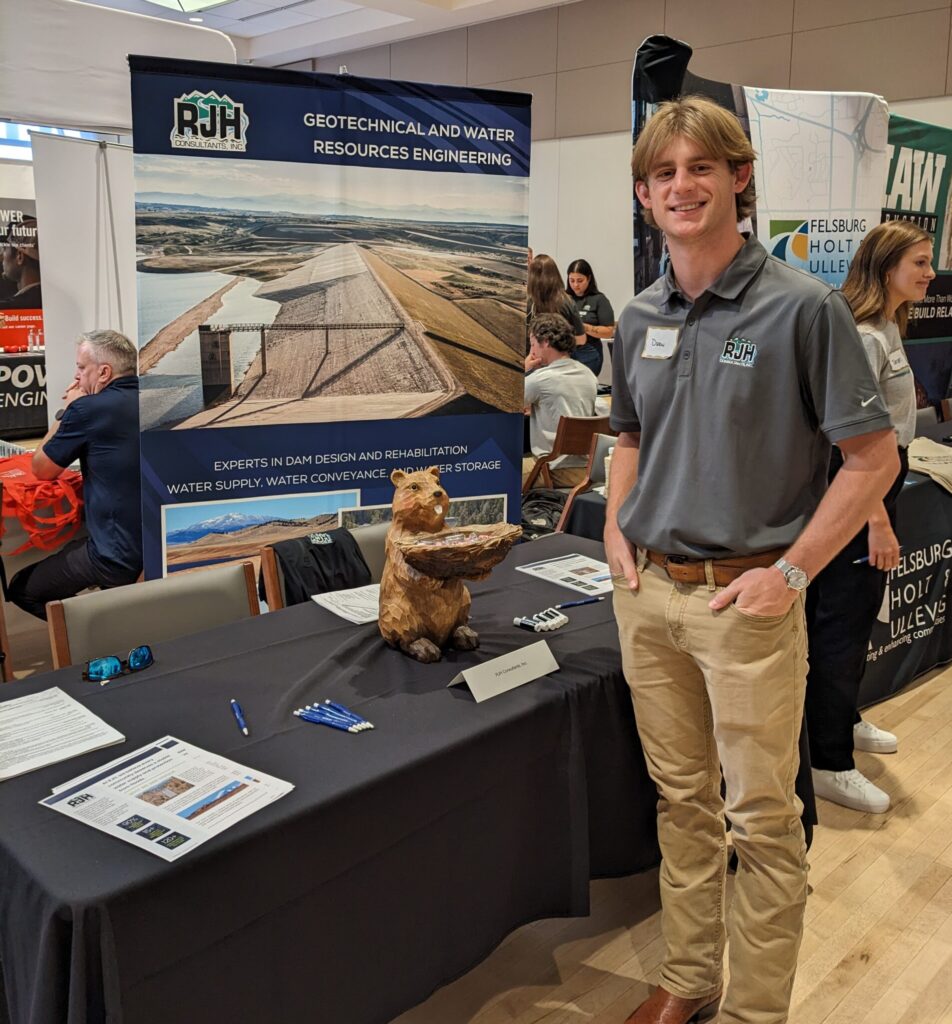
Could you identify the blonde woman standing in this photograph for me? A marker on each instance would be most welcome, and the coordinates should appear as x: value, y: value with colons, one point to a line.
x: 892, y: 269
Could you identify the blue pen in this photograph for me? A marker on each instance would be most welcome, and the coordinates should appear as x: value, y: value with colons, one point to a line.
x: 346, y: 712
x: 321, y: 716
x: 239, y: 717
x: 865, y: 559
x: 320, y: 711
x: 334, y: 724
x: 575, y: 604
x: 361, y: 723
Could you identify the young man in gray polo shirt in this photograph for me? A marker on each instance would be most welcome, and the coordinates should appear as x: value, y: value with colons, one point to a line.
x: 732, y: 376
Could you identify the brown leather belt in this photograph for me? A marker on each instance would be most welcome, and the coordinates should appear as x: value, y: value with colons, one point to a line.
x: 725, y: 570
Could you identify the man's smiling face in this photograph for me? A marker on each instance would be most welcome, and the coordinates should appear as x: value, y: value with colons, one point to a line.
x: 692, y: 195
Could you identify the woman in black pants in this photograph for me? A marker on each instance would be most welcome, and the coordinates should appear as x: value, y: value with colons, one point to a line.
x: 891, y: 269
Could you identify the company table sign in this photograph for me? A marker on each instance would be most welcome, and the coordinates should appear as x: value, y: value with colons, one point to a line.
x: 507, y: 671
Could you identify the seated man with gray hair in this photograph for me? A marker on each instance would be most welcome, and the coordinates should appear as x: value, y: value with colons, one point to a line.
x: 99, y: 425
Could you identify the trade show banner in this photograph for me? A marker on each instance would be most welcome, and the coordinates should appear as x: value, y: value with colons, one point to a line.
x: 917, y: 189
x: 912, y: 631
x: 820, y: 169
x: 331, y: 286
x: 21, y: 301
x: 821, y: 165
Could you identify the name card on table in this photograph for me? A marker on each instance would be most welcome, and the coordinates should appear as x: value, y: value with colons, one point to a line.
x: 507, y: 671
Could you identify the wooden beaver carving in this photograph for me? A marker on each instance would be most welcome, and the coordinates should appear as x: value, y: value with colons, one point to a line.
x: 423, y: 602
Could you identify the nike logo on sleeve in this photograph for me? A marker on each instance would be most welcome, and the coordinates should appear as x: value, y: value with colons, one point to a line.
x: 868, y: 400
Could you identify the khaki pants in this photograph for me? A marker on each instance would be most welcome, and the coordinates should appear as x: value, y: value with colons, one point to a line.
x: 720, y: 692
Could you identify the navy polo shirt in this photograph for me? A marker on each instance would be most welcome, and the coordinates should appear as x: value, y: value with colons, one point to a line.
x: 737, y: 397
x: 102, y: 431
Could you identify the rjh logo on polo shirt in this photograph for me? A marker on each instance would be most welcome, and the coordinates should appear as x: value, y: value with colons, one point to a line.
x: 739, y: 352
x: 205, y: 120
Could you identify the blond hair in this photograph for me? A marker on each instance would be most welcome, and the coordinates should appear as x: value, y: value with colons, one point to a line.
x: 865, y: 287
x: 716, y: 130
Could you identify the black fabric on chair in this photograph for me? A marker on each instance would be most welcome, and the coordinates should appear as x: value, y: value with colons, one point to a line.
x: 333, y: 563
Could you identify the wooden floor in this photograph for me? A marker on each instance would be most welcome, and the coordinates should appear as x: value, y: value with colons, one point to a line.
x: 877, y: 946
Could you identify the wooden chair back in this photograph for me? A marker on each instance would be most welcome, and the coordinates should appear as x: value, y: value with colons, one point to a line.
x: 594, y: 474
x: 572, y: 437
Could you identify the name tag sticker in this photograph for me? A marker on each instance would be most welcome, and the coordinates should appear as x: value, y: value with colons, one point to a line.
x: 660, y: 342
x: 897, y: 360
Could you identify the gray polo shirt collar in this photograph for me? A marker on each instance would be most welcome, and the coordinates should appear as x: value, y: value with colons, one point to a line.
x: 739, y: 273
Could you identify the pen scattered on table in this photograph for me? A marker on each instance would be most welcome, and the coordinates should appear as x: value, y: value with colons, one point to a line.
x: 865, y: 559
x: 239, y: 717
x: 334, y: 715
x: 575, y: 604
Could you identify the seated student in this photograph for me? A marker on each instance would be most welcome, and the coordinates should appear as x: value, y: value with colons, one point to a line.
x: 557, y: 386
x: 99, y: 426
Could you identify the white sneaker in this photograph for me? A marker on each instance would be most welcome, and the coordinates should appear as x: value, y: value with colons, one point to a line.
x: 850, y: 789
x: 874, y: 741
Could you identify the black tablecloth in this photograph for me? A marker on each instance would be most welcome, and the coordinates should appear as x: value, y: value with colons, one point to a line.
x: 914, y: 631
x: 401, y: 858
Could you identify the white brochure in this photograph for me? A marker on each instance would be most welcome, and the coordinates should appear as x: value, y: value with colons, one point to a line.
x: 167, y: 797
x: 507, y: 671
x: 359, y: 604
x: 43, y: 728
x: 580, y: 573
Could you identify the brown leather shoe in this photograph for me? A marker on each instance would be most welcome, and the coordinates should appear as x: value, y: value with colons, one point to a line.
x: 663, y: 1007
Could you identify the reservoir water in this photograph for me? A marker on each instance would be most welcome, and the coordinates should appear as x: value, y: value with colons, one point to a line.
x: 172, y: 389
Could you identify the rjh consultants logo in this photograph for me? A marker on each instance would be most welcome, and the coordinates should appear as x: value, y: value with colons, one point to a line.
x: 205, y: 120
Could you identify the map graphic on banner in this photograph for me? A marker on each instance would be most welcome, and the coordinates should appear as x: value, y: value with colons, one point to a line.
x: 917, y: 189
x: 819, y: 174
x: 331, y: 285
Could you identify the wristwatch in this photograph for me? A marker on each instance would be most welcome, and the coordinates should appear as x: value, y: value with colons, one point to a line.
x: 796, y: 578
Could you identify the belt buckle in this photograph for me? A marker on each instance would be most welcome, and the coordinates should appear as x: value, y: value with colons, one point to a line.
x: 672, y: 563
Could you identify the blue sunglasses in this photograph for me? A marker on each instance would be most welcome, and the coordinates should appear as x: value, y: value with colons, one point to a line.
x: 101, y: 670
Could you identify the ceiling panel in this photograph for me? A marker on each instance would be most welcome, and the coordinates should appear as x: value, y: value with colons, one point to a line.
x: 282, y: 31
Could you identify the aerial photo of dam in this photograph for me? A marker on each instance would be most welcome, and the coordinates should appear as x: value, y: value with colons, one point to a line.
x: 375, y: 293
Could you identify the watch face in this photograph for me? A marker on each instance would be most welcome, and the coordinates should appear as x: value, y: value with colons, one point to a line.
x: 796, y: 578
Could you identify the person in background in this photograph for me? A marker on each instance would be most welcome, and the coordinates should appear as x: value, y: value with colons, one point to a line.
x: 595, y: 312
x: 891, y: 269
x: 99, y: 425
x: 557, y: 386
x: 547, y: 295
x: 21, y: 265
x: 731, y: 376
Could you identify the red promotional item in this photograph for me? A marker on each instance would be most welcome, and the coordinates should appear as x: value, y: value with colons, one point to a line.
x: 49, y: 510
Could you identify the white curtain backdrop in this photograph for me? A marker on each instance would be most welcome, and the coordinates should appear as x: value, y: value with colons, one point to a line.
x: 85, y: 212
x: 63, y: 63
